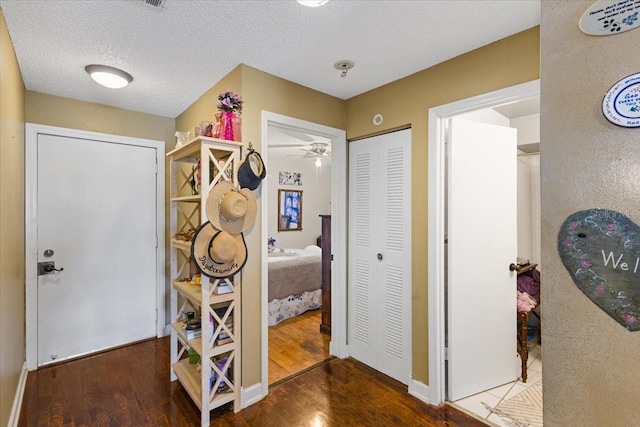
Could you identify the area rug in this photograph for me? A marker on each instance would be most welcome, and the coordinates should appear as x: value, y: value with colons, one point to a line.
x: 524, y: 409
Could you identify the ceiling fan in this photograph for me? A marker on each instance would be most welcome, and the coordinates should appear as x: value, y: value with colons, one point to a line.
x: 316, y: 150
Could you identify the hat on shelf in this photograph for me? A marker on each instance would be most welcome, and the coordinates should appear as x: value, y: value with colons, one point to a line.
x: 251, y: 171
x: 231, y: 209
x: 216, y: 253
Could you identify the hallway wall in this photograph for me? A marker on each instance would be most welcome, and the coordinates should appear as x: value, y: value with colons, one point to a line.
x: 12, y: 276
x: 590, y: 361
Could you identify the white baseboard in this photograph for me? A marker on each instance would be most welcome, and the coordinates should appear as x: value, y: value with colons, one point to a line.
x: 17, y: 400
x: 251, y: 395
x: 420, y: 390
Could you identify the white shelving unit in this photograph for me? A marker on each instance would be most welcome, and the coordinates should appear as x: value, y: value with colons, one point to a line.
x: 217, y: 382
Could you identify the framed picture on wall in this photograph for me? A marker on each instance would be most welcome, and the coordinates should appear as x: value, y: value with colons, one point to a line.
x: 290, y: 178
x: 289, y: 210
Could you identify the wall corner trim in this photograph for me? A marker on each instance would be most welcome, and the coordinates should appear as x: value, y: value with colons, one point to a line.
x: 250, y: 395
x: 420, y: 390
x: 17, y: 400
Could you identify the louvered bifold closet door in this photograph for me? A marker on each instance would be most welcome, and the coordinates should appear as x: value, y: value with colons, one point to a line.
x: 363, y: 265
x: 394, y: 239
x: 380, y: 253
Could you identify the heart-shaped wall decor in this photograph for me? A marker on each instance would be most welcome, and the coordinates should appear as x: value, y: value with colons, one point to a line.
x: 601, y: 250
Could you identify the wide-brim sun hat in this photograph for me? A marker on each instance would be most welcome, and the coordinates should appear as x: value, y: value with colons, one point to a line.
x: 231, y: 209
x: 216, y: 253
x: 252, y: 171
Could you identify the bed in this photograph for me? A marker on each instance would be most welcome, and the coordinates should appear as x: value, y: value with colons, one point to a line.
x: 295, y: 279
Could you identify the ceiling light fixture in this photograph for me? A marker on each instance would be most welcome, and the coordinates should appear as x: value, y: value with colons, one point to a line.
x: 312, y: 3
x: 110, y: 77
x: 344, y: 65
x: 318, y: 162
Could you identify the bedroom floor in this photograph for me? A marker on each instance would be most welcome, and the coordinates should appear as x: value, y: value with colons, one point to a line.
x: 295, y: 345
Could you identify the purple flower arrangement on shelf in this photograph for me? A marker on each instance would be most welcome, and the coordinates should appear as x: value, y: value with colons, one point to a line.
x: 230, y: 102
x: 230, y: 106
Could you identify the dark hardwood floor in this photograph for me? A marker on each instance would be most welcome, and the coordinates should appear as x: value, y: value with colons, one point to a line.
x: 296, y: 344
x: 130, y: 386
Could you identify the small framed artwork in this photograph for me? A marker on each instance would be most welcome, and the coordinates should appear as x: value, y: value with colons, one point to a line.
x: 290, y: 178
x: 289, y: 210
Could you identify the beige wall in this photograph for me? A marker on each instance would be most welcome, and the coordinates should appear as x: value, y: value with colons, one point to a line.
x: 70, y: 113
x: 261, y: 91
x: 12, y: 308
x: 505, y: 63
x: 590, y: 361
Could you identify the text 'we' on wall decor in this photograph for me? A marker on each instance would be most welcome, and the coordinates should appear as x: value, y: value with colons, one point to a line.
x: 600, y: 249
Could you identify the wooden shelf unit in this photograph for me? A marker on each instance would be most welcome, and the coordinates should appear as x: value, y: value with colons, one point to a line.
x: 219, y: 160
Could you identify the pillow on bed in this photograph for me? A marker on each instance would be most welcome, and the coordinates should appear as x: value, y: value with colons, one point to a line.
x: 314, y: 249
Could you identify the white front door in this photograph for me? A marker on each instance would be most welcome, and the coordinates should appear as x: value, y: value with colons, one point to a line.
x: 379, y: 273
x: 97, y: 220
x: 482, y: 232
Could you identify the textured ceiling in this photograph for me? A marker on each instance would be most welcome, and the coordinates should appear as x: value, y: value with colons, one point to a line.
x: 177, y: 53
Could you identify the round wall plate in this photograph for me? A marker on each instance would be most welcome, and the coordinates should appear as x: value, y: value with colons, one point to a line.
x: 621, y: 104
x: 377, y: 119
x: 609, y: 17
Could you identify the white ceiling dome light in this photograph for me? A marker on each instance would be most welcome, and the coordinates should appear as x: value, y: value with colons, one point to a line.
x: 110, y: 77
x: 312, y: 3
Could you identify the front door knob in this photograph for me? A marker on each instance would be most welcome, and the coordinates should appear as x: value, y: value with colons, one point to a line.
x: 47, y: 267
x: 379, y: 257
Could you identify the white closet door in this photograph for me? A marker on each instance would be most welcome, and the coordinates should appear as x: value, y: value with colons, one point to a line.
x: 482, y: 244
x: 363, y: 265
x: 380, y: 253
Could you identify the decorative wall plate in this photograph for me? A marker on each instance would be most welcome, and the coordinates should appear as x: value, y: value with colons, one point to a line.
x: 621, y: 104
x: 600, y: 249
x: 608, y: 17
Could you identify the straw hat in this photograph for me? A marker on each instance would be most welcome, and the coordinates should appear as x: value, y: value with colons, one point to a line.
x: 218, y: 254
x: 231, y: 209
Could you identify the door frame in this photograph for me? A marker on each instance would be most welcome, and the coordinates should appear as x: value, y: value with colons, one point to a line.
x: 438, y: 117
x: 338, y: 344
x: 32, y: 131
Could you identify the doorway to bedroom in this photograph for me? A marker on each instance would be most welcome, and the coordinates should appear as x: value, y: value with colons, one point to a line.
x: 297, y: 197
x: 299, y: 193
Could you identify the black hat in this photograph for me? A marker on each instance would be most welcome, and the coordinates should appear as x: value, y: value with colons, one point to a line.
x: 251, y: 171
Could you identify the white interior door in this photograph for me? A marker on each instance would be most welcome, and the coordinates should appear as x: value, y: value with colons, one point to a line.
x: 379, y: 273
x: 96, y: 219
x: 482, y: 182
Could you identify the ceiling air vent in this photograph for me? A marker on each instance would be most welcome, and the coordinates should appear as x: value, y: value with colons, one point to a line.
x: 156, y: 4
